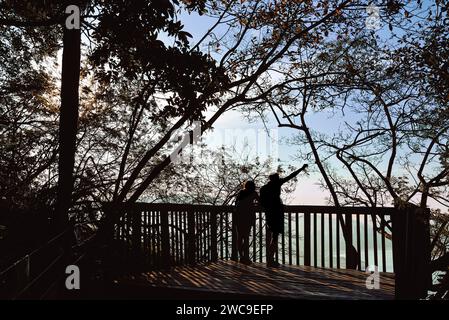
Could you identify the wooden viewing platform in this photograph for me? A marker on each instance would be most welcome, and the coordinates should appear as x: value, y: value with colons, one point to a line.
x: 188, y: 252
x: 231, y: 280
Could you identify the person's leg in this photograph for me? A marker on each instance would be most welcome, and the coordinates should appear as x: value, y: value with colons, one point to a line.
x: 272, y: 249
x: 269, y: 237
x: 278, y: 223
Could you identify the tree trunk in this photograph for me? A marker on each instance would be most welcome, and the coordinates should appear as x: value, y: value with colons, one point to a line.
x: 68, y: 122
x: 352, y: 256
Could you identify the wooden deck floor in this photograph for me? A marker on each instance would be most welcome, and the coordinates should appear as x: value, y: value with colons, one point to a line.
x: 231, y: 280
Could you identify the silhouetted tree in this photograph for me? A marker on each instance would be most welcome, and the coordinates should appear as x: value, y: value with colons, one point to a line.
x: 125, y: 35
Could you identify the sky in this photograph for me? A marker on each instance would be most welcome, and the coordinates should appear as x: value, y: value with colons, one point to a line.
x: 232, y: 128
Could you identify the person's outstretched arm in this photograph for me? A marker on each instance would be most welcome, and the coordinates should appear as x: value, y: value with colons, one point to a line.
x: 293, y: 174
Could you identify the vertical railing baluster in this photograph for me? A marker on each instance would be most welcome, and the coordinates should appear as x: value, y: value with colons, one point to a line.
x: 158, y: 234
x: 181, y: 238
x: 349, y: 242
x: 197, y: 244
x: 297, y: 237
x: 282, y: 244
x: 165, y: 234
x: 261, y: 244
x: 214, y: 235
x: 358, y: 240
x: 365, y: 222
x: 376, y: 258
x: 148, y: 233
x: 255, y: 239
x: 307, y: 238
x: 315, y: 246
x: 185, y: 237
x: 200, y: 235
x: 222, y: 235
x: 337, y: 232
x: 178, y: 236
x: 290, y: 257
x: 227, y: 234
x: 384, y: 258
x: 203, y: 235
x: 152, y: 235
x: 323, y: 247
x: 191, y: 236
x: 207, y: 228
x: 144, y: 236
x: 171, y: 234
x: 181, y: 231
x: 331, y: 249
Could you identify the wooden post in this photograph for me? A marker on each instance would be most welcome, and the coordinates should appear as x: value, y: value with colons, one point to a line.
x: 191, y: 237
x: 214, y: 236
x: 411, y: 252
x: 165, y: 234
x: 307, y: 239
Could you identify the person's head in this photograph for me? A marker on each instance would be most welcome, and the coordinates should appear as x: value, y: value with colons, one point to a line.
x: 274, y: 177
x: 249, y: 185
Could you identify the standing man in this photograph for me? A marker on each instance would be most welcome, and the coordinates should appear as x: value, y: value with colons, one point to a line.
x: 270, y: 199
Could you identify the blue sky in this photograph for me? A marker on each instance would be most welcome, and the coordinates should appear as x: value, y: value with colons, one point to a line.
x: 233, y: 127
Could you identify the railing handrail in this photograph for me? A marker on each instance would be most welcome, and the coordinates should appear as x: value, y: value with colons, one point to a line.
x: 287, y: 208
x: 27, y: 258
x: 33, y: 252
x: 408, y: 227
x: 183, y: 221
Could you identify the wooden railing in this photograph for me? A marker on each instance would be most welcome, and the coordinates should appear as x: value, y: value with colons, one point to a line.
x: 163, y: 235
x: 37, y: 273
x: 386, y: 239
x: 173, y: 234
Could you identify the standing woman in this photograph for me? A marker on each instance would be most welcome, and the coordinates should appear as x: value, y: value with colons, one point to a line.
x: 270, y: 195
x: 245, y: 218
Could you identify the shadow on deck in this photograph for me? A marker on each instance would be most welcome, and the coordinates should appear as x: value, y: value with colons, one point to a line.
x: 231, y: 280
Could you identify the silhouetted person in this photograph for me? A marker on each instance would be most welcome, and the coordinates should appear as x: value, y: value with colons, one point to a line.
x: 270, y: 199
x: 245, y: 218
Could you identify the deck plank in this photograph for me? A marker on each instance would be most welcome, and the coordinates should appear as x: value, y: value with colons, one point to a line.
x: 228, y: 278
